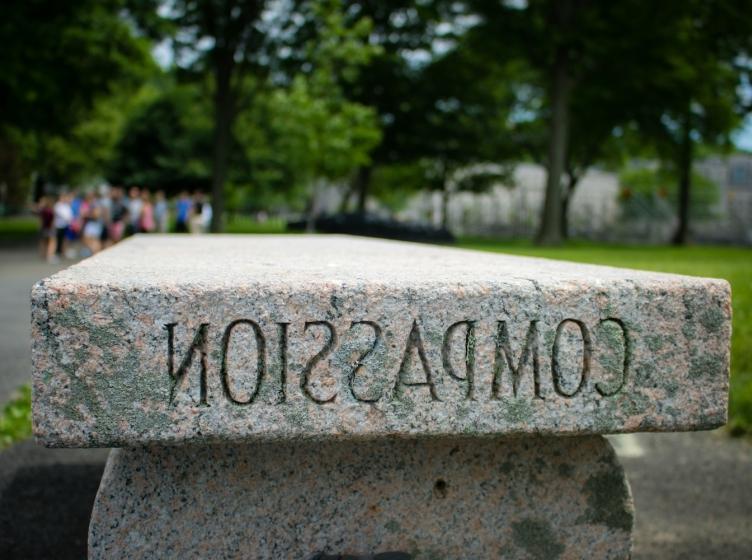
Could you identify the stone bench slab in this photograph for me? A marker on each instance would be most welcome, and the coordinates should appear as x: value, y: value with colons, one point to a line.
x: 169, y: 339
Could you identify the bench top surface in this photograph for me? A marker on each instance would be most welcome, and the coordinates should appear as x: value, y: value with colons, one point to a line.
x: 241, y: 260
x: 175, y: 339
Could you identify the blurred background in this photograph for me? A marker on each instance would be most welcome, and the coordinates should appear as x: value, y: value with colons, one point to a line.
x: 607, y: 132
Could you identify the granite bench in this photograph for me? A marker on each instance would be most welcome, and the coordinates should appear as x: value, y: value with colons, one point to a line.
x: 288, y: 396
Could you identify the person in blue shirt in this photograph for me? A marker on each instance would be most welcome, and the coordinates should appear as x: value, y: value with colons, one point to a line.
x: 183, y: 212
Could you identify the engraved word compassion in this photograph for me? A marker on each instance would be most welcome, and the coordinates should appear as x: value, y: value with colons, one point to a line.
x: 413, y: 371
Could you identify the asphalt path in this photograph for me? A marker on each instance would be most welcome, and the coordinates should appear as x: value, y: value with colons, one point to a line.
x: 692, y: 491
x: 20, y: 268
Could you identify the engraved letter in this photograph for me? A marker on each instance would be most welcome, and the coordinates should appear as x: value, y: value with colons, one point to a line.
x: 260, y: 360
x: 320, y: 355
x: 359, y: 363
x: 625, y: 363
x: 199, y: 343
x: 282, y: 394
x: 587, y: 349
x: 469, y: 355
x: 504, y: 354
x: 414, y: 341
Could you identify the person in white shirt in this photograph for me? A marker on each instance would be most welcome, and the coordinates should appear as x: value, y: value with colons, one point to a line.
x: 62, y: 221
x: 135, y: 204
x: 161, y: 212
x: 206, y: 216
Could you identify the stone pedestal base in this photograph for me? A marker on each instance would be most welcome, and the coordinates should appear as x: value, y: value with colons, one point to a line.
x: 447, y: 499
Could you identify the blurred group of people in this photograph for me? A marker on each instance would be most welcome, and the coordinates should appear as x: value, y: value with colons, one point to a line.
x: 98, y: 219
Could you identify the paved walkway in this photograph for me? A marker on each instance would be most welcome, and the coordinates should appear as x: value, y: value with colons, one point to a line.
x: 693, y: 491
x: 20, y: 268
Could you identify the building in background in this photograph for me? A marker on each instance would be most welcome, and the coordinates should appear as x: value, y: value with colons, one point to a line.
x: 595, y: 213
x: 733, y: 175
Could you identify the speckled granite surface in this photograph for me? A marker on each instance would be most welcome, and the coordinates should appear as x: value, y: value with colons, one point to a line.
x: 239, y: 339
x: 449, y: 500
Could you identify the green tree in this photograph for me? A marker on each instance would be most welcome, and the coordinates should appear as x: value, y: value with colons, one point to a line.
x: 406, y: 33
x: 563, y: 46
x: 698, y: 95
x: 248, y: 45
x: 464, y: 102
x: 59, y: 60
x: 225, y: 37
x: 652, y: 192
x: 166, y: 142
x: 670, y: 69
x: 324, y: 135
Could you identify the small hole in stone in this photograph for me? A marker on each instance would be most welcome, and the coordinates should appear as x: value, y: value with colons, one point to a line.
x: 440, y: 489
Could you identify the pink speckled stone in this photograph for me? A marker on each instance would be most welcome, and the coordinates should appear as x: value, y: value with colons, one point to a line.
x: 449, y: 499
x: 169, y: 339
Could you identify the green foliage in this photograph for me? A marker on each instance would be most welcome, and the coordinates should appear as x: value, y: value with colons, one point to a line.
x: 653, y: 192
x: 59, y: 58
x: 17, y: 151
x: 388, y: 82
x: 466, y: 105
x: 296, y: 135
x: 89, y: 148
x: 59, y: 61
x: 166, y: 142
x: 322, y: 137
x: 15, y: 422
x: 730, y: 263
x: 394, y: 184
x: 676, y: 71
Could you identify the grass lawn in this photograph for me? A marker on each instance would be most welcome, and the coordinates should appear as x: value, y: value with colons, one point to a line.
x: 732, y: 263
x: 15, y: 228
x: 245, y: 224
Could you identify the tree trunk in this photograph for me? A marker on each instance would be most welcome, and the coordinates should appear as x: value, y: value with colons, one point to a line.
x: 549, y: 232
x: 445, y: 195
x: 363, y: 182
x: 564, y: 219
x: 312, y: 208
x: 681, y: 236
x: 345, y: 204
x: 572, y: 180
x: 223, y: 117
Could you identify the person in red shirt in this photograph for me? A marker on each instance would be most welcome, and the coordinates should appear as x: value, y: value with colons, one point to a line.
x: 46, y: 229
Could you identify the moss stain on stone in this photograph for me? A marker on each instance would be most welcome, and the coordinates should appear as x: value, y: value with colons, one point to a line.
x: 392, y: 526
x: 671, y: 387
x: 608, y: 500
x: 706, y: 365
x: 404, y: 407
x: 646, y: 374
x: 516, y: 410
x: 565, y: 470
x: 688, y: 330
x: 548, y: 338
x: 106, y: 336
x: 537, y: 538
x: 712, y: 319
x: 654, y: 342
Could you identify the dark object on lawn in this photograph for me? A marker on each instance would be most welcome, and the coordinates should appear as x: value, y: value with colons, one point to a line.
x: 374, y: 226
x: 382, y: 556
